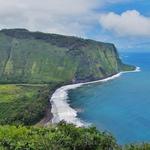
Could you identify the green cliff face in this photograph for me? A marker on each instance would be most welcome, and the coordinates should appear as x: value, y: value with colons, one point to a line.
x: 34, y: 57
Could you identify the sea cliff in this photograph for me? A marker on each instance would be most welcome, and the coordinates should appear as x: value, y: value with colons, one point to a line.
x: 35, y: 57
x: 29, y: 59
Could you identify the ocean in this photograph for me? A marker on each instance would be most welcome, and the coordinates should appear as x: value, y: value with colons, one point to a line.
x: 120, y: 106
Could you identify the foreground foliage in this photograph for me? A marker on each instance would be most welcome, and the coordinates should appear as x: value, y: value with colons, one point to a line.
x: 62, y: 137
x: 143, y: 146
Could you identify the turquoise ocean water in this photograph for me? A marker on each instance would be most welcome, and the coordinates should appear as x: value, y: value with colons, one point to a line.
x: 120, y: 106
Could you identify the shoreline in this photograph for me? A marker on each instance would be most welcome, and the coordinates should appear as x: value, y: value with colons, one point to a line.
x: 60, y: 107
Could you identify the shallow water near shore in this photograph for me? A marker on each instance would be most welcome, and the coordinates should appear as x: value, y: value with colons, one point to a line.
x: 120, y: 106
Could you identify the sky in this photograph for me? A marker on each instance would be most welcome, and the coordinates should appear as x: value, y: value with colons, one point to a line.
x: 126, y: 23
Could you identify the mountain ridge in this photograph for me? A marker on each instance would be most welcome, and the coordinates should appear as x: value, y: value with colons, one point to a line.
x: 36, y: 57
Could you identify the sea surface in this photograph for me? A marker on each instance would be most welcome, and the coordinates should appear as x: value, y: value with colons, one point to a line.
x: 120, y: 106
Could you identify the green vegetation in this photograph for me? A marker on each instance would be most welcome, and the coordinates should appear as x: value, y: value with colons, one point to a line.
x: 62, y: 137
x: 28, y: 58
x: 32, y: 66
x: 23, y: 104
x: 143, y: 146
x: 34, y: 57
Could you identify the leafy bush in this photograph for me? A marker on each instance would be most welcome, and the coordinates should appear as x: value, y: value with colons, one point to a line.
x: 144, y: 146
x: 62, y: 137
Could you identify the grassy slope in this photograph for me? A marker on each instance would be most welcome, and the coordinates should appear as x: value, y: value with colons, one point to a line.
x: 38, y: 58
x: 34, y: 62
x: 33, y: 57
x: 25, y: 104
x: 22, y: 104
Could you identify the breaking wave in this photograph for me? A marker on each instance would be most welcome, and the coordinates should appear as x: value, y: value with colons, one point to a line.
x: 61, y: 109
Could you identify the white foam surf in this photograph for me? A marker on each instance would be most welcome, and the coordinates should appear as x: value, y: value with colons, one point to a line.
x: 61, y: 109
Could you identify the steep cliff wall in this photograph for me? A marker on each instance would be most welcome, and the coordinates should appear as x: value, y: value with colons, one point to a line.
x: 35, y: 57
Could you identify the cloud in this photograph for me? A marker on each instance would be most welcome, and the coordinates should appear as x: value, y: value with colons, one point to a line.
x: 73, y: 17
x: 129, y: 23
x: 59, y: 16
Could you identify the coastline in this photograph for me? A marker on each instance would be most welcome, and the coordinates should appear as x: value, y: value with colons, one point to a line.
x: 60, y: 108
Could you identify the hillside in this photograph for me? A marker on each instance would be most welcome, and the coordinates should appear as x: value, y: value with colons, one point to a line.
x: 23, y: 104
x: 40, y: 63
x: 32, y: 66
x: 35, y: 57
